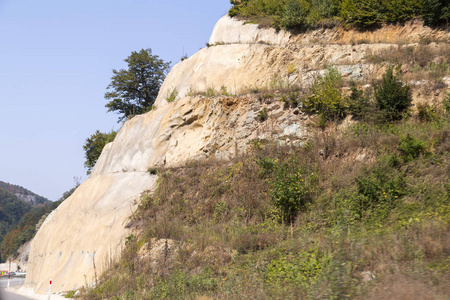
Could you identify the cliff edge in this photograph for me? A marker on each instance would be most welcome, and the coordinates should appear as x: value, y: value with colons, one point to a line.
x: 78, y: 240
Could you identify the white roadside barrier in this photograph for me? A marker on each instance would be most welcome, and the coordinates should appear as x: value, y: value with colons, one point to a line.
x: 50, y: 289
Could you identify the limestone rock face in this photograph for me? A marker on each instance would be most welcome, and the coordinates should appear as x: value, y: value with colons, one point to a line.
x: 231, y: 31
x: 78, y: 239
x: 242, y: 58
x: 87, y: 231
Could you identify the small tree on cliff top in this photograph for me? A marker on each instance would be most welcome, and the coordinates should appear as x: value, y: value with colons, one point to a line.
x: 133, y: 91
x: 94, y: 146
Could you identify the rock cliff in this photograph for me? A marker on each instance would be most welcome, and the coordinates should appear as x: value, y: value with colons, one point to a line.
x: 87, y: 231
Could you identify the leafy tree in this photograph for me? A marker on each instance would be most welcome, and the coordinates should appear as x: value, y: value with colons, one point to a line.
x: 295, y: 13
x: 436, y: 11
x: 362, y: 13
x: 134, y: 90
x: 94, y: 146
x: 401, y: 10
x: 392, y: 97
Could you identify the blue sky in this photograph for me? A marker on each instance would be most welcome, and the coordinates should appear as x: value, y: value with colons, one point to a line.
x: 56, y: 59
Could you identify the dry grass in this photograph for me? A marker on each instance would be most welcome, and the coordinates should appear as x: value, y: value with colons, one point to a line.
x: 226, y: 239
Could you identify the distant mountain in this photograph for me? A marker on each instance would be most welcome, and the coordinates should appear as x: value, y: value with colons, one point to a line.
x: 15, y: 203
x: 23, y: 194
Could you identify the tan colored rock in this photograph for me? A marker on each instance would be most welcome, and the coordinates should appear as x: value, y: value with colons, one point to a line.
x: 242, y: 67
x: 233, y: 31
x: 87, y: 228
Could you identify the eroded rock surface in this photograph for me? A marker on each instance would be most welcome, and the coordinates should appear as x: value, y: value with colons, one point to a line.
x: 79, y: 239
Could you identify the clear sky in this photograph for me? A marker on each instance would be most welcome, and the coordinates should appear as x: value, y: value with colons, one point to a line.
x: 56, y: 59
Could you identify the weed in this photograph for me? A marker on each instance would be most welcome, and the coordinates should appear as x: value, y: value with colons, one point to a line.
x: 228, y: 221
x: 153, y: 170
x: 224, y: 91
x: 172, y: 95
x: 263, y: 115
x: 446, y: 103
x: 210, y: 92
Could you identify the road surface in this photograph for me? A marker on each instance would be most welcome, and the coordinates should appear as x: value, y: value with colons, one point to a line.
x: 4, y: 295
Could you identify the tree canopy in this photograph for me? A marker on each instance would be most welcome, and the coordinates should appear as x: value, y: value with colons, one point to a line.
x: 134, y: 90
x: 361, y: 14
x: 94, y: 146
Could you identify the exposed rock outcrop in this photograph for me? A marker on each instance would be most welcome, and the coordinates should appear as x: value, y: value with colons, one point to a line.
x: 88, y: 229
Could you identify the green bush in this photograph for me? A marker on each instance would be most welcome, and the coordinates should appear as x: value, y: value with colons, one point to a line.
x: 446, y: 104
x: 400, y: 10
x: 436, y: 11
x: 94, y: 146
x: 291, y: 190
x: 392, y: 96
x: 302, y: 269
x: 361, y: 13
x: 426, y: 112
x: 263, y: 115
x: 357, y: 13
x: 326, y: 98
x: 359, y: 104
x: 411, y: 148
x: 380, y: 189
x: 295, y: 13
x: 322, y: 9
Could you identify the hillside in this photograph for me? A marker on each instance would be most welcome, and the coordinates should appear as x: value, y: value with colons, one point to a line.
x: 16, y: 206
x: 23, y: 194
x: 283, y: 168
x: 371, y: 220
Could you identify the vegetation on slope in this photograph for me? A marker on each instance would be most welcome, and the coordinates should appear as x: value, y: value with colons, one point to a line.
x: 12, y: 210
x: 361, y: 212
x: 357, y: 13
x: 16, y: 189
x: 357, y: 211
x: 94, y: 146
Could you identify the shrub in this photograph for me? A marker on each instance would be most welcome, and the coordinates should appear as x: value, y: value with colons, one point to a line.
x: 426, y: 112
x: 380, y: 187
x: 446, y: 103
x: 210, y: 92
x: 361, y: 13
x: 300, y: 269
x: 436, y: 11
x: 358, y: 13
x: 400, y: 10
x: 295, y: 13
x: 322, y: 12
x: 326, y: 98
x: 224, y: 91
x: 94, y: 146
x: 411, y: 148
x: 392, y: 97
x: 358, y: 103
x: 291, y: 190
